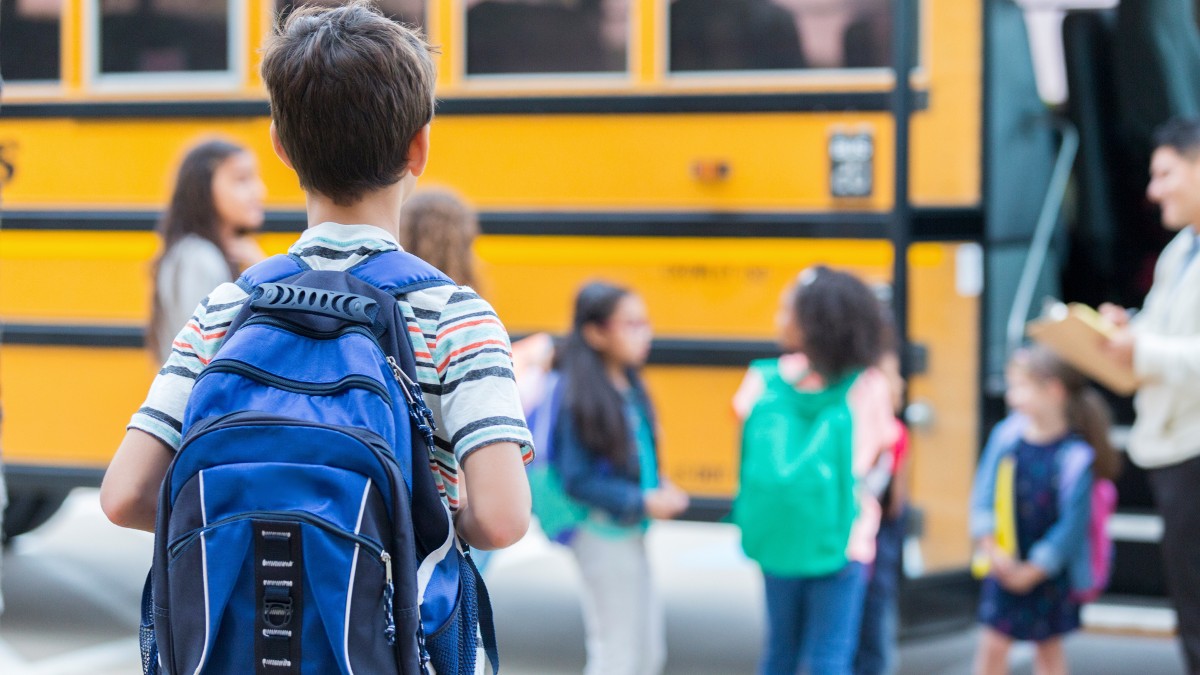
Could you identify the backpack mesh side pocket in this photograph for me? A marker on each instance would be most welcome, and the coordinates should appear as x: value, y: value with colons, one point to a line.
x: 454, y: 648
x: 146, y: 642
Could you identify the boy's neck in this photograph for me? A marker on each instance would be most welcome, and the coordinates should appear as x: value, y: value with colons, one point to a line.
x: 379, y: 208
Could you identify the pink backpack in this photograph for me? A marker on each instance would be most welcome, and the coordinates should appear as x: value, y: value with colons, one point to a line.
x: 1100, y: 546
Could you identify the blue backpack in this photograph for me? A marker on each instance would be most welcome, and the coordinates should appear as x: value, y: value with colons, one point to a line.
x: 299, y: 528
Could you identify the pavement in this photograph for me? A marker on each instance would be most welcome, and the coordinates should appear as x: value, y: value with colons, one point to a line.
x: 72, y: 591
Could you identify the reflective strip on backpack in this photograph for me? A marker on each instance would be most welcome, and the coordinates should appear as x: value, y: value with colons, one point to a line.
x: 362, y: 508
x: 430, y: 563
x: 204, y: 567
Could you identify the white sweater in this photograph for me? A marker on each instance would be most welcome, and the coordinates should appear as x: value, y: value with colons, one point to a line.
x: 187, y: 274
x: 1167, y: 359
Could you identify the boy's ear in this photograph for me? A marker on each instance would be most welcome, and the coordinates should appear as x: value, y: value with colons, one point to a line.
x: 418, y: 152
x: 277, y: 145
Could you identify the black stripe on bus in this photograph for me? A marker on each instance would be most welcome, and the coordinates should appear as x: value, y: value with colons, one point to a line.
x: 24, y: 478
x: 932, y: 224
x: 664, y: 352
x: 869, y: 101
x: 72, y: 335
x: 673, y: 352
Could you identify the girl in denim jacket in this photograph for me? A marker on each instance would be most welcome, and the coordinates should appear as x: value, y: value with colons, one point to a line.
x: 606, y: 456
x: 1052, y: 446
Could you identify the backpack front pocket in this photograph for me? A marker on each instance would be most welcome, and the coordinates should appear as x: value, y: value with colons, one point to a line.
x: 287, y: 587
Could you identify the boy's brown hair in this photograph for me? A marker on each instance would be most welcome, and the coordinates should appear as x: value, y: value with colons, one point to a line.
x: 349, y: 91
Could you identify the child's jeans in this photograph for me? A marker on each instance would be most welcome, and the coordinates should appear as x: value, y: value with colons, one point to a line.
x: 880, y: 621
x: 816, y: 618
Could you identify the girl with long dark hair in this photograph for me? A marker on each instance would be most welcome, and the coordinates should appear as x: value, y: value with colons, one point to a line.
x: 605, y: 451
x: 217, y: 203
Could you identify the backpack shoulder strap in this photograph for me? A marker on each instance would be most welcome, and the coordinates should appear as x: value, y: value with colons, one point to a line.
x: 395, y: 272
x: 270, y: 270
x: 399, y: 272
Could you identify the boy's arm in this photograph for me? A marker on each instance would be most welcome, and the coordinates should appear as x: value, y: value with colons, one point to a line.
x: 481, y: 419
x: 129, y: 493
x: 494, y: 507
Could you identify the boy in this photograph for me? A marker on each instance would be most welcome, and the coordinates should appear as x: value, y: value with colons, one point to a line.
x: 351, y: 101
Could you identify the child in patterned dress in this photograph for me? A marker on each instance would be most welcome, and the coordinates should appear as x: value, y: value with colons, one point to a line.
x: 1053, y: 445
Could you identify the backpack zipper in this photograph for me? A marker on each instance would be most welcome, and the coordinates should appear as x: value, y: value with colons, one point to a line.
x: 298, y: 516
x: 374, y: 442
x: 389, y: 628
x: 296, y: 386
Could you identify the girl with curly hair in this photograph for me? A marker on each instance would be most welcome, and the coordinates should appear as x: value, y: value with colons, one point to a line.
x: 815, y: 422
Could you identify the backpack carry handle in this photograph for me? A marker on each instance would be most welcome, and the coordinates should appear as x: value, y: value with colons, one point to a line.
x: 349, y: 307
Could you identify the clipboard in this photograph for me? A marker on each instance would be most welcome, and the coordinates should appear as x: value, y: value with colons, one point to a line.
x: 1076, y: 334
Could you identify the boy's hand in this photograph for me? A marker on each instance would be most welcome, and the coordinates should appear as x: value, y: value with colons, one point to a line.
x: 665, y: 502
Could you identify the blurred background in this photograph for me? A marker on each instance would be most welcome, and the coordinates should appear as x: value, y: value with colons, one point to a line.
x: 701, y: 151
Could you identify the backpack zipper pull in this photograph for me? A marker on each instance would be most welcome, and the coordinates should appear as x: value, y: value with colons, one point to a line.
x: 389, y: 627
x: 402, y: 380
x: 425, y: 658
x: 419, y: 411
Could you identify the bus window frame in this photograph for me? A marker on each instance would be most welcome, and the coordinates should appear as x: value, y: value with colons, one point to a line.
x: 175, y: 81
x: 275, y: 12
x: 51, y: 87
x: 665, y: 81
x: 814, y: 79
x: 529, y: 83
x: 25, y: 90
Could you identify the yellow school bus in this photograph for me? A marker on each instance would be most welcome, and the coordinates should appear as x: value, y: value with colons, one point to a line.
x: 663, y: 144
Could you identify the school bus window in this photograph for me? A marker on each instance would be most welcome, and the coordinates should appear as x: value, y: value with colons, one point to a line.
x: 547, y: 36
x: 725, y: 35
x: 29, y: 40
x: 411, y: 12
x: 164, y: 36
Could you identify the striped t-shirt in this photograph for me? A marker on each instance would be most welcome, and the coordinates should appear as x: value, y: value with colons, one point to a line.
x: 464, y: 361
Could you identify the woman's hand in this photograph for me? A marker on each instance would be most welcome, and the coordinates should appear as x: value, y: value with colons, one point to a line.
x: 666, y: 502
